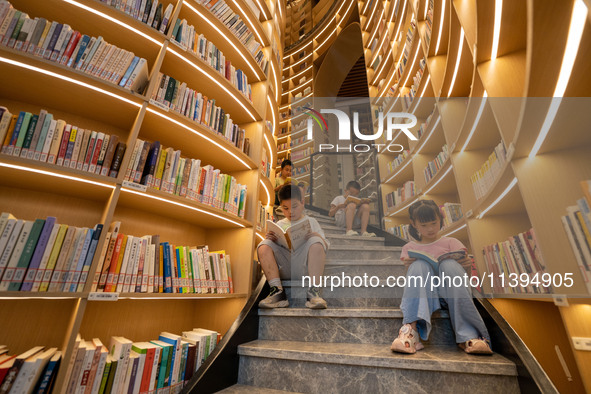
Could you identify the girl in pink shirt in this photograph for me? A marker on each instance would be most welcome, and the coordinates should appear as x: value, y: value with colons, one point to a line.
x: 422, y: 296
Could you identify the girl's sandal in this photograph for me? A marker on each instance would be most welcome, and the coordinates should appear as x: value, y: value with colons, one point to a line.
x: 407, y: 341
x: 476, y: 346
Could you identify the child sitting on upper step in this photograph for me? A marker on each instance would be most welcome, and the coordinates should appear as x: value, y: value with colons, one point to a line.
x: 420, y: 301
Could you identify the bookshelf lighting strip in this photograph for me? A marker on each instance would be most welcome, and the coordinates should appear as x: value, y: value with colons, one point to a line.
x: 266, y: 192
x: 455, y: 231
x: 412, y: 64
x: 114, y: 20
x: 426, y: 9
x: 57, y: 175
x: 272, y: 117
x: 429, y: 136
x: 441, y: 20
x: 200, y: 135
x: 405, y: 204
x: 68, y: 79
x: 260, y: 236
x: 376, y: 27
x: 196, y: 67
x: 497, y: 29
x: 223, y: 35
x: 439, y: 180
x: 501, y: 196
x: 298, y: 62
x: 573, y: 41
x: 476, y: 121
x: 458, y: 59
x: 336, y: 27
x: 422, y: 92
x: 124, y: 189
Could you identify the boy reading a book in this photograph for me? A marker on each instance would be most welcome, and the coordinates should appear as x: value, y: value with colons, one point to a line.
x: 351, y: 211
x: 310, y: 246
x: 283, y: 178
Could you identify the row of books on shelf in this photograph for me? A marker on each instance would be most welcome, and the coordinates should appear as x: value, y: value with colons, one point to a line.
x: 397, y: 161
x: 452, y: 212
x: 302, y: 154
x: 302, y: 169
x: 165, y: 364
x: 150, y: 12
x: 483, y: 179
x: 186, y: 36
x: 406, y: 51
x: 178, y: 97
x: 401, y: 194
x: 425, y: 125
x: 59, y: 43
x: 435, y: 165
x: 429, y: 23
x: 41, y: 137
x: 236, y: 25
x: 303, y: 93
x: 400, y: 231
x: 131, y: 264
x: 519, y: 254
x: 409, y: 95
x: 299, y: 141
x: 577, y: 225
x: 262, y: 216
x: 160, y: 168
x: 266, y: 164
x: 43, y: 255
x: 282, y: 147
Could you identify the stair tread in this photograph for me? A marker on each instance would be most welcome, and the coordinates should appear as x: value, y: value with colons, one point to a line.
x: 373, y: 248
x: 432, y: 358
x: 362, y: 263
x: 355, y: 237
x: 343, y: 312
x: 243, y: 388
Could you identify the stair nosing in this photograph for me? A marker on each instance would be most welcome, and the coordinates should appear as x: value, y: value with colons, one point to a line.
x: 395, y: 361
x: 364, y: 313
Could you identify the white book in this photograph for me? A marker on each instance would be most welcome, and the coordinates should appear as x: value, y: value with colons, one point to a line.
x: 7, y: 222
x: 86, y: 366
x: 130, y: 263
x: 120, y: 349
x: 16, y: 254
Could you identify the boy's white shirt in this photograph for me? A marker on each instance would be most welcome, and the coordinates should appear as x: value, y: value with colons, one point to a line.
x: 286, y: 223
x: 338, y: 200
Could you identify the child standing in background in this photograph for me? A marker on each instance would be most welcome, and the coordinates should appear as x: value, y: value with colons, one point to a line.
x: 419, y: 302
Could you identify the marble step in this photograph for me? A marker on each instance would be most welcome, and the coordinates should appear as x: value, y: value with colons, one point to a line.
x: 345, y: 296
x: 241, y: 388
x: 342, y: 239
x: 316, y: 367
x: 373, y: 252
x: 345, y: 325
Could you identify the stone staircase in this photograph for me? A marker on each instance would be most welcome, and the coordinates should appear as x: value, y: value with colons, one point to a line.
x: 346, y: 348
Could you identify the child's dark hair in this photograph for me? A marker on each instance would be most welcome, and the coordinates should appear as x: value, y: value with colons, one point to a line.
x: 353, y: 184
x: 423, y: 211
x: 285, y: 162
x: 288, y: 192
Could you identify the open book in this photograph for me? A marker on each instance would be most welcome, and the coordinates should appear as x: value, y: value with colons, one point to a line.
x: 294, y: 237
x: 357, y: 200
x: 434, y: 261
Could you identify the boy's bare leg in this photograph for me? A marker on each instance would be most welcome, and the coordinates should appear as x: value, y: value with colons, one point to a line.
x: 364, y: 213
x: 350, y: 215
x: 268, y: 263
x: 316, y: 260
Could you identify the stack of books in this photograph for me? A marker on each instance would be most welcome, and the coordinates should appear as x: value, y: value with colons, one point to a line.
x: 165, y: 169
x: 41, y: 137
x: 577, y: 225
x: 178, y: 97
x: 483, y: 179
x: 32, y: 371
x: 43, y: 255
x: 130, y: 264
x: 150, y: 12
x: 236, y: 25
x: 59, y: 43
x: 188, y: 39
x: 517, y: 255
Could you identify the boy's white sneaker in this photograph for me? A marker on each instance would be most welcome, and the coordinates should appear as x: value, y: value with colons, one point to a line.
x: 351, y: 233
x: 366, y: 234
x: 314, y: 300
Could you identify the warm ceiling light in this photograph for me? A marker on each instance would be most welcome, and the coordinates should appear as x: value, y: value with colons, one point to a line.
x: 114, y: 20
x: 459, y: 57
x: 199, y: 134
x: 476, y: 121
x: 575, y: 32
x: 68, y: 79
x: 501, y: 196
x: 56, y: 174
x: 146, y: 195
x: 440, y: 27
x: 497, y: 29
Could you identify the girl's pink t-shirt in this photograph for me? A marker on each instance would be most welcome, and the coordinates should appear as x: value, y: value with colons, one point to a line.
x: 435, y: 249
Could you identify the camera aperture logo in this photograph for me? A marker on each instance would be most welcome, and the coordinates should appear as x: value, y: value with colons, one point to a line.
x: 393, y: 123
